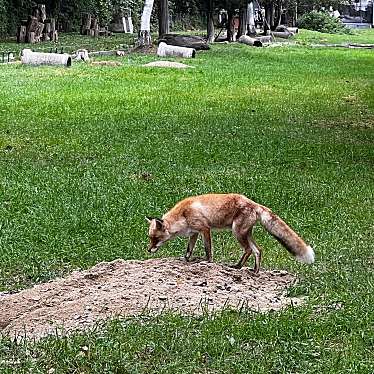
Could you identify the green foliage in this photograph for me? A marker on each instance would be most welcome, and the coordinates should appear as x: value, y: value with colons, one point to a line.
x: 3, y: 18
x: 322, y: 22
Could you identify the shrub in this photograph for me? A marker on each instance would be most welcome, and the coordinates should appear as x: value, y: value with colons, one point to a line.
x: 322, y: 22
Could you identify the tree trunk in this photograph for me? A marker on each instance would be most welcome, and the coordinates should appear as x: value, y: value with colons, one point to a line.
x: 86, y: 24
x: 243, y: 21
x: 21, y: 34
x: 210, y: 21
x: 163, y: 22
x: 267, y: 18
x: 278, y: 14
x: 144, y: 38
x: 251, y: 19
x: 230, y: 31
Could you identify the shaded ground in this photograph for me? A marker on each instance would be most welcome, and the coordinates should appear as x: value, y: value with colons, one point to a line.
x: 130, y: 287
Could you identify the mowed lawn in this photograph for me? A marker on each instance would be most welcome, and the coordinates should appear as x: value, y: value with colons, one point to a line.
x: 87, y: 152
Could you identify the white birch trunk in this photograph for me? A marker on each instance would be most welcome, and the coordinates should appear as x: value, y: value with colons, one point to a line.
x: 145, y: 24
x: 251, y: 18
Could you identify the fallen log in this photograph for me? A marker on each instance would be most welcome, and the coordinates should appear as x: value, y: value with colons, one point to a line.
x: 294, y: 30
x: 282, y: 34
x: 37, y: 58
x: 188, y: 41
x: 283, y: 28
x: 245, y: 39
x: 264, y: 39
x: 164, y: 50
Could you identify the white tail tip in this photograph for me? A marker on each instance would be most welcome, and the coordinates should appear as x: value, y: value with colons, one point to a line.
x: 308, y: 256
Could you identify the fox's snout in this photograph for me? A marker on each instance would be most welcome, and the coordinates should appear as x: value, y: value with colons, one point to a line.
x: 152, y: 248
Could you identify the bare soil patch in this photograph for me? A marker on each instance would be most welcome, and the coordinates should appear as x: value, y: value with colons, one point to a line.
x: 124, y: 288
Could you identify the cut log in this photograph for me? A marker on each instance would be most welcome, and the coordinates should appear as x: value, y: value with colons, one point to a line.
x: 245, y: 39
x: 283, y: 28
x: 37, y: 58
x: 265, y: 39
x: 188, y: 41
x: 173, y: 50
x: 283, y: 35
x: 82, y: 55
x: 294, y: 30
x: 21, y: 34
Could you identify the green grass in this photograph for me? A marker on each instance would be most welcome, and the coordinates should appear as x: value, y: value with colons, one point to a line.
x: 291, y: 128
x: 70, y: 42
x: 364, y: 36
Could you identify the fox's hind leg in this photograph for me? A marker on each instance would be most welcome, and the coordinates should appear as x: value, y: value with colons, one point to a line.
x: 242, y: 229
x: 257, y: 252
x: 191, y: 246
x: 207, y: 244
x: 244, y: 243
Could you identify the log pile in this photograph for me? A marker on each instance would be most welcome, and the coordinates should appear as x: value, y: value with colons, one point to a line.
x: 37, y: 27
x: 90, y: 26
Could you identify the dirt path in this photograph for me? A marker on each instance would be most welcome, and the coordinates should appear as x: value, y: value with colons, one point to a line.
x: 129, y: 287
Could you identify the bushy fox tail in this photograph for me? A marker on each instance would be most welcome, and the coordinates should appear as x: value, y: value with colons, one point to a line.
x: 285, y: 235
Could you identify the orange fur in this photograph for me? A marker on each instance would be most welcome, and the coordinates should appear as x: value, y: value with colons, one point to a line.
x: 200, y: 214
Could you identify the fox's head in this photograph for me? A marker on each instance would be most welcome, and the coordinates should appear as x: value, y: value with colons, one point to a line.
x: 158, y: 234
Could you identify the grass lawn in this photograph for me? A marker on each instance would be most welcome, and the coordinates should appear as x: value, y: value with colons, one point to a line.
x: 291, y: 128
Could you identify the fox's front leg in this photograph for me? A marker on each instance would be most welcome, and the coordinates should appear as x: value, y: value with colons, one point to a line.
x: 207, y: 244
x: 191, y: 246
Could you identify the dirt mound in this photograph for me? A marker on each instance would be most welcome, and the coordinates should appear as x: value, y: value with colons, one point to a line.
x: 129, y: 287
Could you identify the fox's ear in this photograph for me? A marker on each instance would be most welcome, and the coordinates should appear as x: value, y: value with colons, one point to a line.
x: 159, y: 223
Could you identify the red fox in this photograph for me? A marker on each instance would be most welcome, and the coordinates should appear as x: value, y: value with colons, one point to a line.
x: 200, y: 214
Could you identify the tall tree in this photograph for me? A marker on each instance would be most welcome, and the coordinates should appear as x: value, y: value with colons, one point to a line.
x: 144, y: 38
x: 163, y: 23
